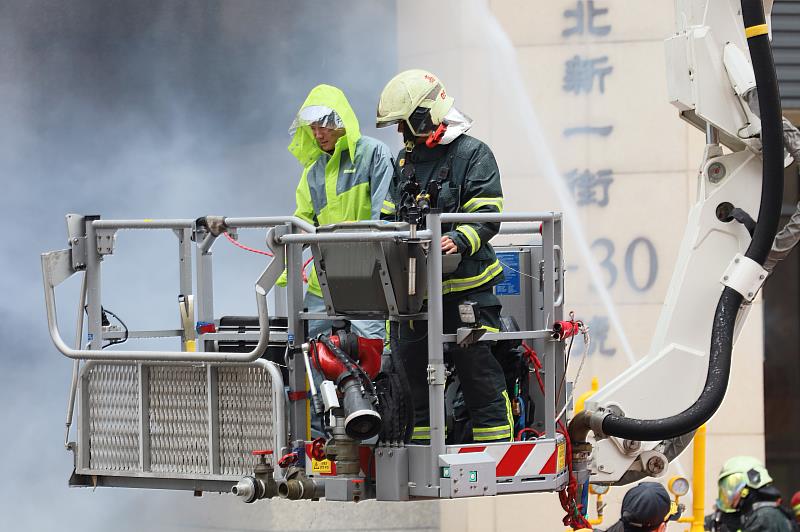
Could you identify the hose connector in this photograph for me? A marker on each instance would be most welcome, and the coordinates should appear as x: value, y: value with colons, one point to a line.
x: 262, y: 484
x: 297, y: 486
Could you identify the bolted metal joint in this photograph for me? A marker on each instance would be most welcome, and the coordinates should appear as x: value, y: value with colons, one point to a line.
x: 631, y: 446
x: 106, y: 238
x: 656, y: 465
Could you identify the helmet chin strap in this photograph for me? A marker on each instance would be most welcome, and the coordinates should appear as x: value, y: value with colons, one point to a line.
x: 410, y: 140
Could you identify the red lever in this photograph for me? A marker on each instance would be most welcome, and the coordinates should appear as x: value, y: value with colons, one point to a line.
x: 435, y: 138
x: 262, y: 452
x: 318, y: 449
x: 288, y: 459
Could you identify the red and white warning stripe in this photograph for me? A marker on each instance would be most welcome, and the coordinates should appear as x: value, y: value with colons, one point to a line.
x: 516, y: 459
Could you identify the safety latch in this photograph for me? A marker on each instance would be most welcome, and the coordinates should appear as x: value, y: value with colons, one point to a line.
x: 436, y: 374
x: 744, y: 275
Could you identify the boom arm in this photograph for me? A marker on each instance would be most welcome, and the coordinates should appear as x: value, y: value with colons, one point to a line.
x: 689, y: 358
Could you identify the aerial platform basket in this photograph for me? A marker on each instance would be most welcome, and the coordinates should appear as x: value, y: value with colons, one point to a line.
x: 190, y: 419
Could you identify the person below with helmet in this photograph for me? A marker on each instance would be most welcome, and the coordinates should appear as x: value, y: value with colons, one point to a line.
x: 345, y: 178
x: 747, y: 500
x: 795, y: 504
x: 456, y: 173
x: 646, y: 507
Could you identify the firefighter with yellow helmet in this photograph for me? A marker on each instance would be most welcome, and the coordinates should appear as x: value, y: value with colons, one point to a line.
x: 747, y: 500
x: 455, y: 173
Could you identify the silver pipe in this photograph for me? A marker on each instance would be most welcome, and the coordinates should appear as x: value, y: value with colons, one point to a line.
x: 143, y: 224
x: 76, y: 365
x: 94, y: 291
x: 435, y: 349
x: 412, y: 264
x: 278, y: 405
x: 498, y: 336
x: 311, y: 385
x: 551, y: 351
x: 185, y: 223
x: 521, y: 228
x: 270, y: 221
x: 454, y: 217
x: 412, y: 276
x: 267, y: 280
x: 350, y: 236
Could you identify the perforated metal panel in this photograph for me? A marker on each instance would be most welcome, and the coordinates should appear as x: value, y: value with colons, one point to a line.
x: 786, y: 50
x: 114, y: 417
x: 179, y: 419
x: 200, y: 422
x: 245, y: 422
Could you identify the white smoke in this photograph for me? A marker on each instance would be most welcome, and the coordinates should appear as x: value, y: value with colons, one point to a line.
x: 145, y: 109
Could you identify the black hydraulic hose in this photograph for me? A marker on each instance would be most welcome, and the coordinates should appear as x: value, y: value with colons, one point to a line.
x: 722, y: 332
x: 769, y: 101
x: 719, y: 367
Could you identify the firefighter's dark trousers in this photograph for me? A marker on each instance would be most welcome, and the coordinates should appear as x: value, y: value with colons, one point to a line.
x: 480, y: 374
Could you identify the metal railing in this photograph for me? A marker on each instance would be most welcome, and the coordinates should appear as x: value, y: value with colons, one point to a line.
x: 287, y: 245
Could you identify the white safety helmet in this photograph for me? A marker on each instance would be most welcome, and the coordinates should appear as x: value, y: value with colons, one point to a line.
x: 415, y: 97
x: 319, y: 115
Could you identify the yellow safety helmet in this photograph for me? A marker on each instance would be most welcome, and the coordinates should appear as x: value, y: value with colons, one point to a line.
x: 416, y: 97
x: 738, y: 476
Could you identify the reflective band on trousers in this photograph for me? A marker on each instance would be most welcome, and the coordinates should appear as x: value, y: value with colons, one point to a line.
x: 459, y: 285
x: 421, y: 433
x: 509, y: 415
x: 503, y: 432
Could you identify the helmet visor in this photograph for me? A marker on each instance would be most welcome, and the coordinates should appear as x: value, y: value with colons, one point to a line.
x: 316, y: 115
x: 420, y: 122
x: 730, y: 492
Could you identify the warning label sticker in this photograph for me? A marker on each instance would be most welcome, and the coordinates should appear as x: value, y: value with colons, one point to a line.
x: 323, y: 467
x: 511, y: 285
x: 562, y: 454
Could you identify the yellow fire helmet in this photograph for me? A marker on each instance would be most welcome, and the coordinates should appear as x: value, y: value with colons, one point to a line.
x: 738, y: 476
x: 416, y: 97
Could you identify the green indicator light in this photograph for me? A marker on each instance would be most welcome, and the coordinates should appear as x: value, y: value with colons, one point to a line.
x: 473, y: 476
x: 445, y: 472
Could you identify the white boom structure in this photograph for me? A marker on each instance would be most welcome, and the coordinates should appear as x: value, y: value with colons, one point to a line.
x: 708, y: 71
